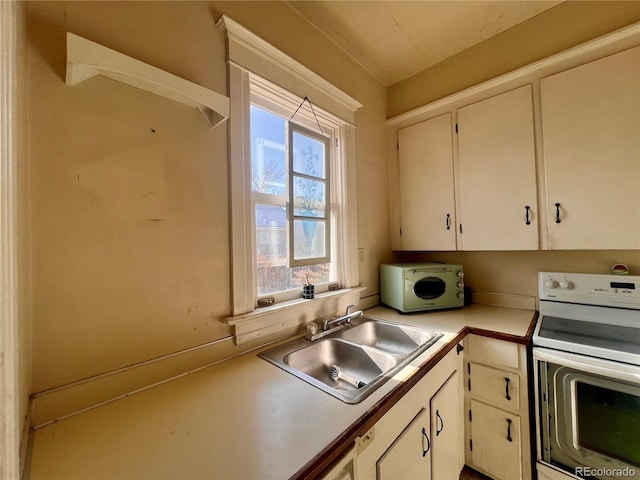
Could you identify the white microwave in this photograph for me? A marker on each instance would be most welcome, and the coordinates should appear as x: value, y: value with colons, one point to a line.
x: 415, y: 287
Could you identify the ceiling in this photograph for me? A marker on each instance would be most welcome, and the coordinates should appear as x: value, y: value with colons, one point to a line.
x: 393, y: 40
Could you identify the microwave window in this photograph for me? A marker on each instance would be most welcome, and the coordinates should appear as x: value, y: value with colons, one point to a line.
x: 429, y: 288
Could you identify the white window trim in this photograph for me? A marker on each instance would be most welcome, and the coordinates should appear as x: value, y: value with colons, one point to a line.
x: 250, y: 58
x: 9, y: 346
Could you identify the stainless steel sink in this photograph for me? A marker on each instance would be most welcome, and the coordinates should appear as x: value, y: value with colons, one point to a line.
x: 389, y: 337
x: 369, y: 350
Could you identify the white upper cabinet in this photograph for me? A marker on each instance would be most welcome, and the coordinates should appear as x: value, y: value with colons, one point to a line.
x: 427, y: 201
x: 591, y: 138
x: 497, y: 173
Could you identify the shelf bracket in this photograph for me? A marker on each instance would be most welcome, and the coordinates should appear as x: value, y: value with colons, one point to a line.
x: 86, y: 59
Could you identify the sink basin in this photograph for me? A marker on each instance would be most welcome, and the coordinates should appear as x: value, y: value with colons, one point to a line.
x: 364, y: 364
x: 369, y: 350
x: 389, y: 337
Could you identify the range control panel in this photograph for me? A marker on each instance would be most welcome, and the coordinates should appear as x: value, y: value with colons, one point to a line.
x: 590, y: 288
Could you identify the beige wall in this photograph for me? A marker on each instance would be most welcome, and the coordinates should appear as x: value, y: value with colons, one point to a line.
x: 552, y: 31
x: 128, y: 191
x: 516, y: 272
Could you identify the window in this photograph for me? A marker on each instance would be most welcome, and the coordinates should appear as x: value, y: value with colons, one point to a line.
x: 295, y: 209
x: 292, y: 189
x: 290, y: 166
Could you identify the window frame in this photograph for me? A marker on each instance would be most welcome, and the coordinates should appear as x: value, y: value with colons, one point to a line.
x: 248, y: 54
x: 329, y: 158
x: 268, y: 96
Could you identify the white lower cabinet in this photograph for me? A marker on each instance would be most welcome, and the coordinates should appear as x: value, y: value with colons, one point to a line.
x: 496, y: 441
x: 408, y: 456
x: 497, y: 408
x: 421, y: 437
x: 446, y: 429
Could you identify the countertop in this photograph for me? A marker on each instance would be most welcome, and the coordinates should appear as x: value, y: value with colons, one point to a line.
x: 244, y: 418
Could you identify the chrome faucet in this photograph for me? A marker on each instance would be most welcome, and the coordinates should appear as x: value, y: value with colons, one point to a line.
x: 319, y: 330
x: 346, y: 318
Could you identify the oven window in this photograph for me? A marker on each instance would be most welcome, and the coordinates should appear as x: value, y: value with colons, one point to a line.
x: 429, y: 288
x: 609, y: 422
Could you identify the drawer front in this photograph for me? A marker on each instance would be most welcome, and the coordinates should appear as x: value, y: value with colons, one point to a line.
x: 497, y: 386
x: 493, y: 351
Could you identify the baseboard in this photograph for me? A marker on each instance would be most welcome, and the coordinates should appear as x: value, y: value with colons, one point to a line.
x: 67, y: 400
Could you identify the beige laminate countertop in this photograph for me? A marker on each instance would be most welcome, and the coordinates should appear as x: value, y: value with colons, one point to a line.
x: 244, y: 418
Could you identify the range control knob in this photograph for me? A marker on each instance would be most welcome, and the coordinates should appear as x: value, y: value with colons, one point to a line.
x: 566, y: 284
x: 460, y: 274
x: 551, y: 283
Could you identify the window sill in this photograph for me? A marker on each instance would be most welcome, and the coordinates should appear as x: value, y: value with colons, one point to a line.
x: 285, y: 318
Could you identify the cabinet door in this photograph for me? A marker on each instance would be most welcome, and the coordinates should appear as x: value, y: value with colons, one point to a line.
x: 447, y: 431
x: 591, y: 135
x: 427, y: 201
x: 497, y: 174
x: 409, y: 456
x: 495, y: 436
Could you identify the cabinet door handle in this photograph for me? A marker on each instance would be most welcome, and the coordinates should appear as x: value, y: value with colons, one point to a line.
x: 509, y: 430
x: 526, y: 215
x: 506, y: 387
x: 558, y: 213
x: 425, y: 437
x: 438, y: 417
x: 448, y: 221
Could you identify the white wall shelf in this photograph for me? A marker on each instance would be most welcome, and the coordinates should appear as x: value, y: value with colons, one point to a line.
x: 86, y: 59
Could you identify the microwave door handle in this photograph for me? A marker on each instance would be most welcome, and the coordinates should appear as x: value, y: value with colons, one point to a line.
x: 433, y: 270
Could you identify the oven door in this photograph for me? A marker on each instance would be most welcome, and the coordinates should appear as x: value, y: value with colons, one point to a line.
x: 589, y: 415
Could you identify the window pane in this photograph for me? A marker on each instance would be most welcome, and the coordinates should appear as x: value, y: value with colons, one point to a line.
x: 272, y: 260
x: 309, y: 239
x: 274, y: 273
x: 308, y: 155
x: 308, y: 198
x: 268, y: 152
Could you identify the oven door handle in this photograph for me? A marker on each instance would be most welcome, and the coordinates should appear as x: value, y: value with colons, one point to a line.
x: 607, y: 368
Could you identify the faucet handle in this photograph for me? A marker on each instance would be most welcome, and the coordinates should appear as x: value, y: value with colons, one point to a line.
x: 348, y: 311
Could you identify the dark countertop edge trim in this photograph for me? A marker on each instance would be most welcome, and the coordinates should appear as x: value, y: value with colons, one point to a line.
x: 341, y: 444
x: 526, y: 340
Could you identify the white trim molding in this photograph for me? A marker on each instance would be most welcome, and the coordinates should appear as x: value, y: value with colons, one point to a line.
x: 9, y: 355
x: 619, y: 40
x: 250, y: 51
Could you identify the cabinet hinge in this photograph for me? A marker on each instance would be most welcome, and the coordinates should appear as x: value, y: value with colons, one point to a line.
x: 469, y: 368
x: 337, y: 143
x: 471, y: 445
x: 470, y: 416
x: 400, y: 231
x: 456, y: 128
x: 469, y: 384
x: 460, y: 228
